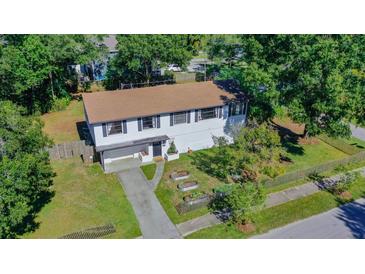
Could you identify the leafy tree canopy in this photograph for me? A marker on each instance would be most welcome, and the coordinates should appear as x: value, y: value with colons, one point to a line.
x: 34, y: 69
x: 318, y: 78
x: 244, y: 200
x: 139, y: 55
x: 25, y: 171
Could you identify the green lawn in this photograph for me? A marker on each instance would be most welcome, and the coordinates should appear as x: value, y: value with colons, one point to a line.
x: 61, y: 126
x: 281, y: 215
x: 85, y: 197
x: 355, y: 142
x: 303, y: 156
x: 149, y: 170
x: 306, y: 156
x: 169, y: 195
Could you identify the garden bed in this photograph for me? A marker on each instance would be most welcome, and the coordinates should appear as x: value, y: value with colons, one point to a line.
x: 187, y: 186
x: 180, y: 175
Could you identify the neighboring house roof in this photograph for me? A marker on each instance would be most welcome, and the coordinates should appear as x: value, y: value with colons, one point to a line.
x: 111, y: 42
x: 123, y: 104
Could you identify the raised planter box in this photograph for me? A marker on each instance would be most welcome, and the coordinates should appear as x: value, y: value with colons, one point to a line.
x: 171, y: 157
x: 180, y: 175
x: 190, y: 204
x: 188, y: 186
x: 192, y: 201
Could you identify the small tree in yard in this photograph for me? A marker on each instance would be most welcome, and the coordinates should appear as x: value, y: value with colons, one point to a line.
x: 256, y: 150
x: 342, y: 185
x: 244, y: 200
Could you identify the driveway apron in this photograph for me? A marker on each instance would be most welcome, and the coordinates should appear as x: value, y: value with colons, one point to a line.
x: 154, y: 222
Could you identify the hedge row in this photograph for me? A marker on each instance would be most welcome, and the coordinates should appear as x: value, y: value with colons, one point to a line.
x: 300, y: 174
x: 340, y: 145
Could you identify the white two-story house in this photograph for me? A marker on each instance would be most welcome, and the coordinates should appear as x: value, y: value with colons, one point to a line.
x: 142, y: 123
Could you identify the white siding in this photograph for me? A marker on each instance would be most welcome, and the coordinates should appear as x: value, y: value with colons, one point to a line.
x: 193, y: 135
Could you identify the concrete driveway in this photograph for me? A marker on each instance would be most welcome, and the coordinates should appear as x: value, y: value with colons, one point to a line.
x: 345, y: 222
x: 153, y: 221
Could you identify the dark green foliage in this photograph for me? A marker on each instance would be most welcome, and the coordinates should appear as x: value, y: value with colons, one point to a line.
x: 255, y: 148
x: 172, y: 149
x: 139, y: 55
x: 34, y: 69
x: 25, y: 171
x: 244, y: 201
x: 319, y: 78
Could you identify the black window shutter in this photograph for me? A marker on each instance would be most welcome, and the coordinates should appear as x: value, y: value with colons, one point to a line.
x: 188, y: 118
x: 124, y: 126
x: 220, y: 112
x: 196, y: 115
x: 229, y: 109
x: 104, y: 129
x: 171, y: 119
x: 139, y: 124
x: 158, y: 121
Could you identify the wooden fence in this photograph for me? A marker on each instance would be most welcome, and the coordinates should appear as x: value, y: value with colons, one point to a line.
x: 72, y: 149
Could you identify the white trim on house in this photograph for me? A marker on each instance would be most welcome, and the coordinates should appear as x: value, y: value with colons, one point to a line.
x: 191, y: 135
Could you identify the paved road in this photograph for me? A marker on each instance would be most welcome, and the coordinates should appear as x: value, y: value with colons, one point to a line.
x: 345, y: 222
x: 358, y: 132
x: 153, y: 221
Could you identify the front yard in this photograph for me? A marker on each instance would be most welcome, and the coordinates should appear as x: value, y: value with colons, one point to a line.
x: 302, y: 155
x: 281, y: 215
x: 84, y: 198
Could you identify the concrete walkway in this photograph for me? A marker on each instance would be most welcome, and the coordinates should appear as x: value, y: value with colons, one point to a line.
x: 153, y: 221
x: 344, y: 222
x: 158, y: 174
x: 358, y: 132
x: 273, y: 199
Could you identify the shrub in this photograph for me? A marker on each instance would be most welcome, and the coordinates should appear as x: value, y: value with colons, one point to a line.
x: 172, y: 149
x: 315, y: 176
x: 244, y: 201
x: 59, y: 104
x: 273, y: 171
x: 343, y: 183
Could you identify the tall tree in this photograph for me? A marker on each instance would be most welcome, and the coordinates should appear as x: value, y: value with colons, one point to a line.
x: 138, y: 55
x: 318, y: 78
x: 25, y: 171
x: 34, y: 68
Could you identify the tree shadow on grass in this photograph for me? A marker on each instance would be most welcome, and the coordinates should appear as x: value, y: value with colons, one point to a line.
x: 203, y: 160
x: 29, y: 224
x: 289, y: 139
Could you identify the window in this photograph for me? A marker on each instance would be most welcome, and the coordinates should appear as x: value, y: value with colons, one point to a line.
x: 148, y: 122
x: 208, y: 113
x: 114, y: 128
x: 236, y: 108
x: 180, y: 117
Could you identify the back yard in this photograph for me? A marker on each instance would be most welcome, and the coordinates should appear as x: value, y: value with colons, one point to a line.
x: 84, y: 198
x: 64, y: 126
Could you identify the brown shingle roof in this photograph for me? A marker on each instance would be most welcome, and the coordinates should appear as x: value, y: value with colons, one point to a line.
x: 123, y: 104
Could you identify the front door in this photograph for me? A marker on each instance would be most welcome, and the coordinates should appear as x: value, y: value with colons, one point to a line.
x: 157, y: 149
